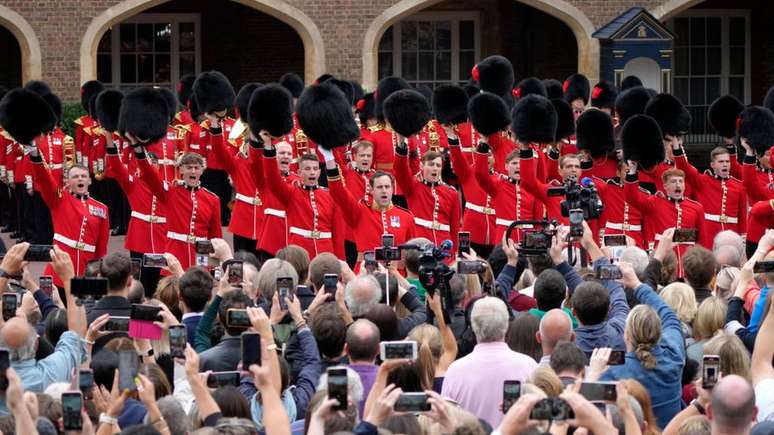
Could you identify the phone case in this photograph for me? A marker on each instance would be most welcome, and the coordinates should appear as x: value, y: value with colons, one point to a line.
x: 144, y: 329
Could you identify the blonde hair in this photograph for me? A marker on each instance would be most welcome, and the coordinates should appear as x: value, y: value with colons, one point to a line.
x: 694, y: 425
x: 546, y: 379
x: 431, y: 337
x: 734, y: 358
x: 456, y: 413
x: 710, y: 318
x: 682, y: 300
x: 643, y: 329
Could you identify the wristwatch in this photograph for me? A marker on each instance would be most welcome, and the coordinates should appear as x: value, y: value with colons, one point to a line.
x: 104, y: 418
x: 4, y: 274
x: 699, y: 407
x: 149, y: 352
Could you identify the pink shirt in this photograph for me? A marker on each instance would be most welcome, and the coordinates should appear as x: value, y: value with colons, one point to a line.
x: 476, y: 381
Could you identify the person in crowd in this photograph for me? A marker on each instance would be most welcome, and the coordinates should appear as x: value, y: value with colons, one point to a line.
x: 682, y: 300
x: 555, y: 327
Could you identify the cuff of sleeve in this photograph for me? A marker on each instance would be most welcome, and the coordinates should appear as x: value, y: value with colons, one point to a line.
x: 678, y: 152
x: 585, y: 164
x: 632, y: 178
x: 270, y: 153
x: 139, y: 154
x: 36, y: 158
x: 483, y: 148
x: 257, y: 144
x: 454, y: 141
x: 525, y: 154
x: 554, y: 154
x: 216, y: 131
x: 749, y: 160
x: 111, y: 151
x: 402, y: 150
x: 333, y: 173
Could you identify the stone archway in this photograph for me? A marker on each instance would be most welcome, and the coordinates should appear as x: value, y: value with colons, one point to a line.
x: 28, y: 43
x: 671, y: 8
x: 314, y: 51
x: 581, y: 26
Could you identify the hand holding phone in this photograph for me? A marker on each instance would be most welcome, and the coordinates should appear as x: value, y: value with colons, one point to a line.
x: 330, y: 283
x: 178, y: 338
x: 235, y: 273
x: 251, y: 349
x: 710, y: 370
x: 72, y: 403
x: 10, y: 304
x: 398, y: 350
x: 128, y: 366
x: 338, y: 387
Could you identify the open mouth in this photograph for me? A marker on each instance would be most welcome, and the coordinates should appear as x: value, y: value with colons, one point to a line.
x: 80, y: 185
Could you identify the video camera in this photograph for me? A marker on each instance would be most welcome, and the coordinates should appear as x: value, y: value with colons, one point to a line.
x: 535, y: 242
x: 434, y: 274
x: 582, y: 196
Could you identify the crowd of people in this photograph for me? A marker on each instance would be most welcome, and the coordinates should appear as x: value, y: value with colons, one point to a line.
x: 498, y: 257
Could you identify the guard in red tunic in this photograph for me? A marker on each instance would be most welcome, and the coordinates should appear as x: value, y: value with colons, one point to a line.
x: 89, y: 90
x: 618, y: 217
x: 357, y: 175
x: 756, y: 135
x: 722, y: 115
x: 761, y: 218
x: 384, y: 139
x: 596, y: 141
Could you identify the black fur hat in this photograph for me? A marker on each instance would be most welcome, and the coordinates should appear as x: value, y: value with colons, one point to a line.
x: 171, y: 101
x: 90, y: 90
x: 534, y: 119
x: 471, y: 89
x: 494, y: 74
x: 346, y: 88
x: 326, y: 117
x: 450, y: 104
x: 214, y: 92
x: 25, y: 115
x: 672, y: 117
x: 757, y: 126
x: 387, y: 86
x: 357, y: 91
x: 323, y: 78
x: 553, y: 89
x: 144, y: 114
x: 108, y: 107
x: 488, y: 113
x: 768, y: 102
x: 576, y: 86
x: 270, y: 108
x: 603, y: 95
x: 185, y: 89
x: 565, y: 119
x: 56, y: 105
x: 722, y: 115
x: 530, y: 86
x: 293, y: 83
x: 630, y: 82
x: 407, y: 111
x: 366, y: 108
x: 38, y: 86
x: 631, y: 102
x: 594, y: 132
x: 642, y: 141
x: 242, y: 101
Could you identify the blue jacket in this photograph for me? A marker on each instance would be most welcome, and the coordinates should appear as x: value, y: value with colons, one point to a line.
x: 191, y: 323
x: 610, y: 332
x: 664, y: 381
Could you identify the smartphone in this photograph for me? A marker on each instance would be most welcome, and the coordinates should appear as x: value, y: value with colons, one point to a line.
x: 85, y: 382
x: 154, y: 260
x: 710, y: 369
x: 251, y: 349
x: 685, y: 235
x: 387, y: 254
x: 468, y: 267
x: 237, y: 318
x: 284, y: 290
x: 617, y: 357
x: 370, y: 261
x: 92, y: 286
x: 5, y: 362
x: 463, y: 243
x: 599, y: 391
x: 117, y: 324
x: 136, y: 268
x: 223, y: 379
x: 398, y: 350
x: 204, y: 247
x: 46, y: 283
x: 38, y: 253
x: 388, y: 240
x: 412, y: 402
x: 178, y: 338
x: 608, y: 272
x: 763, y: 266
x: 128, y: 364
x: 552, y: 408
x: 511, y: 393
x: 338, y: 387
x: 330, y: 283
x: 614, y: 240
x: 72, y: 403
x: 148, y: 313
x: 10, y: 303
x: 235, y: 273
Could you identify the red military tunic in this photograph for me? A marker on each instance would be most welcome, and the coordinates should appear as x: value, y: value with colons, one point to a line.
x: 81, y: 226
x: 370, y: 221
x: 384, y: 141
x: 618, y: 217
x: 724, y: 200
x: 81, y: 123
x: 436, y: 206
x: 511, y: 201
x: 501, y: 146
x: 312, y: 218
x: 757, y: 182
x: 147, y: 231
x: 358, y: 182
x: 538, y: 189
x: 166, y: 151
x: 52, y: 149
x: 183, y: 117
x: 97, y: 151
x: 205, y: 141
x: 761, y: 218
x: 480, y: 216
x: 193, y: 213
x: 603, y: 167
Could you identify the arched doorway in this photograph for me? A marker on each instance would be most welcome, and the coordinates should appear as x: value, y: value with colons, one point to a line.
x: 157, y: 41
x: 508, y: 33
x: 21, y: 46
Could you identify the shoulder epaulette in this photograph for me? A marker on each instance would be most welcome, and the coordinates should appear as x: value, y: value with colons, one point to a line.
x: 691, y: 200
x: 79, y: 120
x: 98, y: 202
x: 68, y: 140
x: 375, y: 128
x: 205, y: 123
x: 208, y: 191
x: 646, y: 191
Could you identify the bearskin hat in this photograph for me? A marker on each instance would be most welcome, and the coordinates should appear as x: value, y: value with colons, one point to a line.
x: 242, y: 101
x: 346, y: 88
x: 450, y: 104
x: 565, y: 119
x: 757, y: 127
x: 90, y: 90
x: 56, y: 105
x: 530, y: 86
x: 185, y: 89
x: 534, y: 119
x: 38, y: 86
x: 293, y: 83
x: 642, y: 141
x: 630, y: 82
x: 722, y: 115
x: 171, y: 100
x: 576, y: 86
x: 25, y: 115
x: 594, y: 132
x: 494, y: 74
x: 603, y: 95
x: 407, y: 112
x: 357, y: 91
x: 108, y: 108
x: 323, y: 78
x: 488, y: 113
x: 366, y: 108
x: 672, y: 117
x: 270, y: 108
x: 471, y: 89
x: 553, y: 89
x: 144, y: 114
x: 387, y: 86
x: 326, y: 117
x: 214, y: 92
x: 631, y: 102
x: 768, y: 102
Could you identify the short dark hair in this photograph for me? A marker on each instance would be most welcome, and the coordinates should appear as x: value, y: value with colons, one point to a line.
x: 361, y: 346
x: 386, y: 320
x: 379, y: 174
x: 323, y: 264
x: 298, y: 258
x: 231, y: 402
x: 195, y: 288
x: 117, y: 268
x: 539, y: 263
x: 550, y: 290
x: 568, y: 356
x: 247, y: 257
x: 700, y: 266
x: 329, y: 330
x: 591, y: 303
x: 233, y: 299
x: 457, y: 285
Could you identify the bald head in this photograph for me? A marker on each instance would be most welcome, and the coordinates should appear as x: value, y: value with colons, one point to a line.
x: 362, y: 341
x: 732, y: 409
x: 19, y: 338
x: 555, y: 326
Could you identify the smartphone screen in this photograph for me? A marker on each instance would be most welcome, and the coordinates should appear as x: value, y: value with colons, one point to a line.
x: 204, y: 247
x: 412, y: 402
x: 763, y: 266
x: 10, y: 303
x: 599, y: 391
x: 615, y: 240
x: 684, y: 235
x: 463, y: 242
x: 251, y: 349
x: 154, y: 260
x: 46, y: 283
x: 5, y: 362
x: 136, y: 268
x: 38, y: 253
x: 398, y: 350
x: 117, y: 324
x: 330, y: 282
x: 388, y: 240
x: 223, y: 379
x: 370, y: 261
x: 617, y: 358
x: 511, y: 393
x: 177, y: 341
x: 128, y: 364
x: 284, y: 290
x: 710, y: 369
x: 337, y: 387
x: 85, y: 382
x: 72, y: 403
x: 237, y: 318
x: 92, y: 286
x: 148, y: 313
x: 235, y: 273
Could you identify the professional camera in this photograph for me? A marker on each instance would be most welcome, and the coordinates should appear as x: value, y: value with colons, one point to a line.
x: 535, y: 242
x: 582, y: 196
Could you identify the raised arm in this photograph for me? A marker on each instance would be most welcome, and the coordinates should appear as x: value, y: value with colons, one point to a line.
x: 256, y: 163
x: 632, y: 193
x: 150, y: 175
x: 458, y: 162
x: 403, y: 175
x: 529, y: 180
x: 45, y: 181
x: 219, y: 151
x: 692, y: 175
x: 481, y: 168
x: 282, y: 190
x: 115, y: 168
x: 755, y: 192
x: 342, y: 197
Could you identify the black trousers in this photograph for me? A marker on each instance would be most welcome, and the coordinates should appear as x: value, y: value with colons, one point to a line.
x: 34, y: 218
x: 7, y: 205
x: 149, y: 276
x: 118, y: 207
x: 350, y: 252
x: 246, y: 244
x: 216, y: 181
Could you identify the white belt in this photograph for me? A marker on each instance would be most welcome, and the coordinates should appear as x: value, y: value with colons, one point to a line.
x: 467, y: 150
x: 311, y: 234
x: 166, y: 162
x: 184, y: 237
x: 479, y: 208
x: 73, y: 244
x: 252, y: 200
x: 723, y: 219
x: 149, y: 218
x: 432, y: 225
x: 507, y: 223
x: 194, y: 146
x: 274, y: 212
x: 622, y: 227
x: 55, y: 166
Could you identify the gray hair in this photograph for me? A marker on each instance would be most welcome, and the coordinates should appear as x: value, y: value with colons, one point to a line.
x: 354, y: 385
x: 489, y: 319
x: 174, y: 415
x: 637, y: 257
x: 362, y: 294
x: 618, y: 421
x: 732, y: 239
x: 270, y: 271
x: 26, y: 351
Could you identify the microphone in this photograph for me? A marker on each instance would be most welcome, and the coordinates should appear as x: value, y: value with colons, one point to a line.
x: 587, y: 181
x: 446, y: 245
